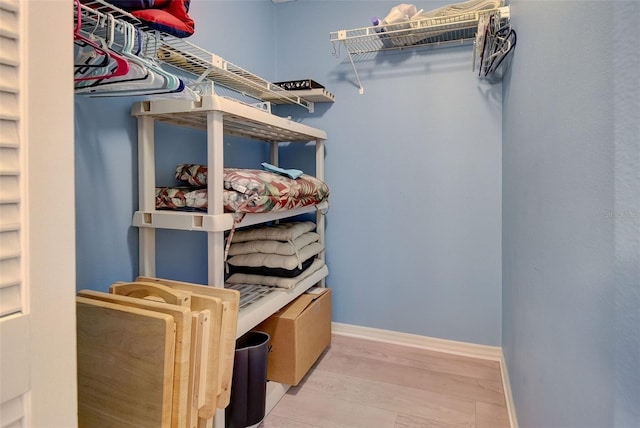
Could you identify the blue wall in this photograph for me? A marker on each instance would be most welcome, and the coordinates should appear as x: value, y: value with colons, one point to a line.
x: 571, y: 215
x: 413, y: 231
x: 106, y: 156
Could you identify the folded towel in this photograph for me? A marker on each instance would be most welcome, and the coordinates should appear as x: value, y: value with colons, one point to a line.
x: 291, y: 173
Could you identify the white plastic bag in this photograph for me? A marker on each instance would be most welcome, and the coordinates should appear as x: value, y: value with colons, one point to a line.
x: 400, y: 13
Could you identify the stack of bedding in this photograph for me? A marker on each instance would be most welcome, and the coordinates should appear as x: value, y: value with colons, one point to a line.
x: 279, y: 255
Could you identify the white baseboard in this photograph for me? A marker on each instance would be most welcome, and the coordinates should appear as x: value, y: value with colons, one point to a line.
x: 508, y: 395
x: 485, y: 352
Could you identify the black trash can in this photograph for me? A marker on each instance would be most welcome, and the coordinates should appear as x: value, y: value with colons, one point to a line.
x: 249, y: 383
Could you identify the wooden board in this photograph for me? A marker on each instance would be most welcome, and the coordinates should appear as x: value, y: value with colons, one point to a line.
x: 213, y: 384
x: 125, y: 365
x: 182, y: 317
x: 151, y: 291
x: 229, y: 328
x: 201, y: 322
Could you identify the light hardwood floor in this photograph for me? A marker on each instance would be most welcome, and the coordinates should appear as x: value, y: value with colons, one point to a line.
x: 369, y: 384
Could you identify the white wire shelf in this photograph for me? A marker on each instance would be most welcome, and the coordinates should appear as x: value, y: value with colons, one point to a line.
x: 198, y: 63
x: 416, y: 33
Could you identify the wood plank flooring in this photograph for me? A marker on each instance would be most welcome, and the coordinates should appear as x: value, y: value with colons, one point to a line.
x: 368, y: 384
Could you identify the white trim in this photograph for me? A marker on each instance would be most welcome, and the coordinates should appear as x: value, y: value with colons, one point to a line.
x: 51, y: 249
x: 508, y: 395
x: 485, y: 352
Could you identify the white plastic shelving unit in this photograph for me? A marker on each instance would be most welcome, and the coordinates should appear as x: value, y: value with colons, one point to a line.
x: 220, y: 116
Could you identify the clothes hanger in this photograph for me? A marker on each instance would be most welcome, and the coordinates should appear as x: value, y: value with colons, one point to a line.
x: 156, y: 80
x: 485, y: 42
x: 493, y: 43
x: 503, y: 48
x: 137, y: 72
x: 117, y: 65
x: 144, y: 77
x: 479, y: 42
x: 500, y: 45
x: 85, y: 59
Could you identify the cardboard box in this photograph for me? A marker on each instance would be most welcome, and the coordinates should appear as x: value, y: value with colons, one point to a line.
x: 299, y: 332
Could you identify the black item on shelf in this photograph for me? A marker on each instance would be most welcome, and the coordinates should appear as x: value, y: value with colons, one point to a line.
x: 249, y: 383
x: 299, y: 85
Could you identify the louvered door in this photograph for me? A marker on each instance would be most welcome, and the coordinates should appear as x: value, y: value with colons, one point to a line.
x: 37, y: 242
x: 14, y: 318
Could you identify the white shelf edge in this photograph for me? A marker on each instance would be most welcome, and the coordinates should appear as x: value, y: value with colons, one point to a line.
x: 252, y: 219
x: 203, y: 222
x: 183, y: 220
x: 262, y: 309
x: 176, y: 111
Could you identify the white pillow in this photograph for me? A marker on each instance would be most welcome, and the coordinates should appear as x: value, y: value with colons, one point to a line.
x: 280, y: 232
x: 277, y: 260
x: 272, y: 246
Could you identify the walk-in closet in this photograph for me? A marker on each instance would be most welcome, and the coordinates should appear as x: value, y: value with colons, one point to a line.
x: 396, y: 214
